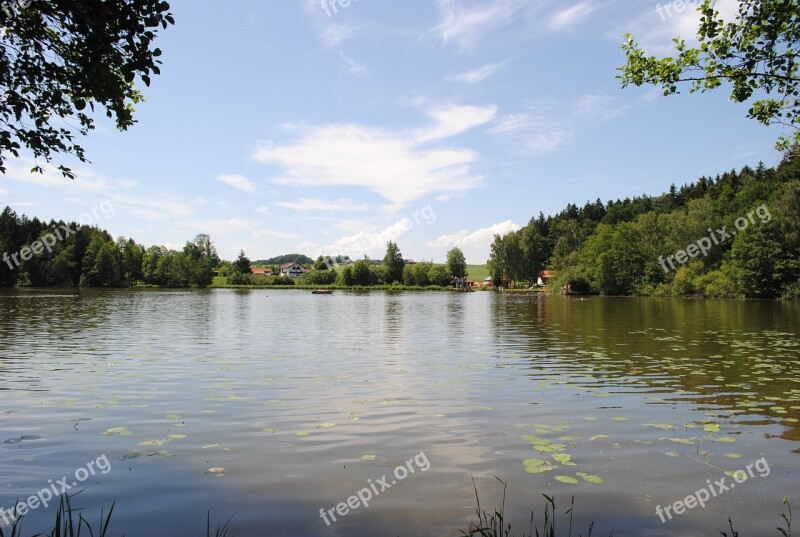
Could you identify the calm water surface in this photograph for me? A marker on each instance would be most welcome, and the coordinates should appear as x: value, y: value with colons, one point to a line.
x: 296, y: 401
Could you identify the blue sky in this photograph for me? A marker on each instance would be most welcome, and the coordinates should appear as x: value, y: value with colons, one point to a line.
x: 283, y: 126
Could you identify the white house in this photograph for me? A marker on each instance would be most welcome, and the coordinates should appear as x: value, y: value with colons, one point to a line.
x: 293, y: 270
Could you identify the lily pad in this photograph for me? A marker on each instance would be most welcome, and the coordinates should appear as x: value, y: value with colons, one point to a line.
x: 727, y: 439
x: 30, y: 437
x: 711, y: 427
x: 567, y: 479
x: 269, y: 430
x: 368, y: 457
x: 216, y: 472
x: 590, y: 478
x: 537, y: 466
x: 325, y: 425
x: 686, y: 441
x: 662, y: 426
x: 564, y: 458
x: 301, y: 433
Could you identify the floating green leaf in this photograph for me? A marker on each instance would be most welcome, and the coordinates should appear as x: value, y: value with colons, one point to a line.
x: 662, y: 426
x: 325, y: 425
x: 564, y: 458
x: 537, y: 466
x: 567, y: 479
x: 590, y: 478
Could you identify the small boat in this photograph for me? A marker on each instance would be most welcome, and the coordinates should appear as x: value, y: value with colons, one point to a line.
x: 322, y: 292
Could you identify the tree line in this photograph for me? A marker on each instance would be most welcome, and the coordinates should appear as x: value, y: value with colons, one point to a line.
x: 629, y: 247
x: 341, y: 271
x: 87, y: 256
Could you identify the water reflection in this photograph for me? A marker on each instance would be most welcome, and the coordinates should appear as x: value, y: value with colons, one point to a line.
x: 288, y: 391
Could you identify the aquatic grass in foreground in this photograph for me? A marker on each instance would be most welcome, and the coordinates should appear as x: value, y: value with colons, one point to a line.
x: 494, y: 525
x: 67, y: 525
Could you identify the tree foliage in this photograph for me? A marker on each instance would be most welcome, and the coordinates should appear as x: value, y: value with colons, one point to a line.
x: 393, y: 261
x: 622, y: 247
x: 756, y: 55
x: 456, y: 263
x: 58, y: 57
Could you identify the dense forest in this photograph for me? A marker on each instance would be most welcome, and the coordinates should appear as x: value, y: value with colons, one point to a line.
x: 734, y: 235
x: 66, y: 254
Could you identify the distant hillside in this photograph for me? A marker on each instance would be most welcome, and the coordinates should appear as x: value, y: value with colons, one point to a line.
x: 288, y: 258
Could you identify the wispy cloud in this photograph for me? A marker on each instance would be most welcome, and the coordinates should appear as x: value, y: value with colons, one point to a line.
x: 263, y: 209
x: 570, y: 16
x: 239, y: 182
x: 306, y: 204
x: 221, y: 226
x: 467, y: 25
x: 478, y: 75
x: 479, y: 238
x: 548, y: 126
x: 370, y: 243
x: 153, y: 209
x: 400, y: 166
x: 273, y: 234
x: 353, y: 66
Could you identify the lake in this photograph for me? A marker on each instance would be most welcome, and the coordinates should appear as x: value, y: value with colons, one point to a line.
x: 269, y: 406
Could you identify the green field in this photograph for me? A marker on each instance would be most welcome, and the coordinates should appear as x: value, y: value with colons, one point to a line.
x: 477, y: 272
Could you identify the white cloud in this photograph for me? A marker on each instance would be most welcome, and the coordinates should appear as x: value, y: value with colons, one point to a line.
x: 129, y: 183
x: 237, y: 181
x: 548, y: 126
x: 400, y: 166
x: 353, y: 66
x: 478, y: 75
x: 231, y: 225
x: 3, y: 192
x: 334, y: 34
x: 153, y: 209
x: 570, y: 16
x: 263, y: 209
x: 369, y: 243
x: 466, y: 25
x: 272, y: 234
x: 313, y: 204
x: 478, y: 238
x: 455, y: 119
